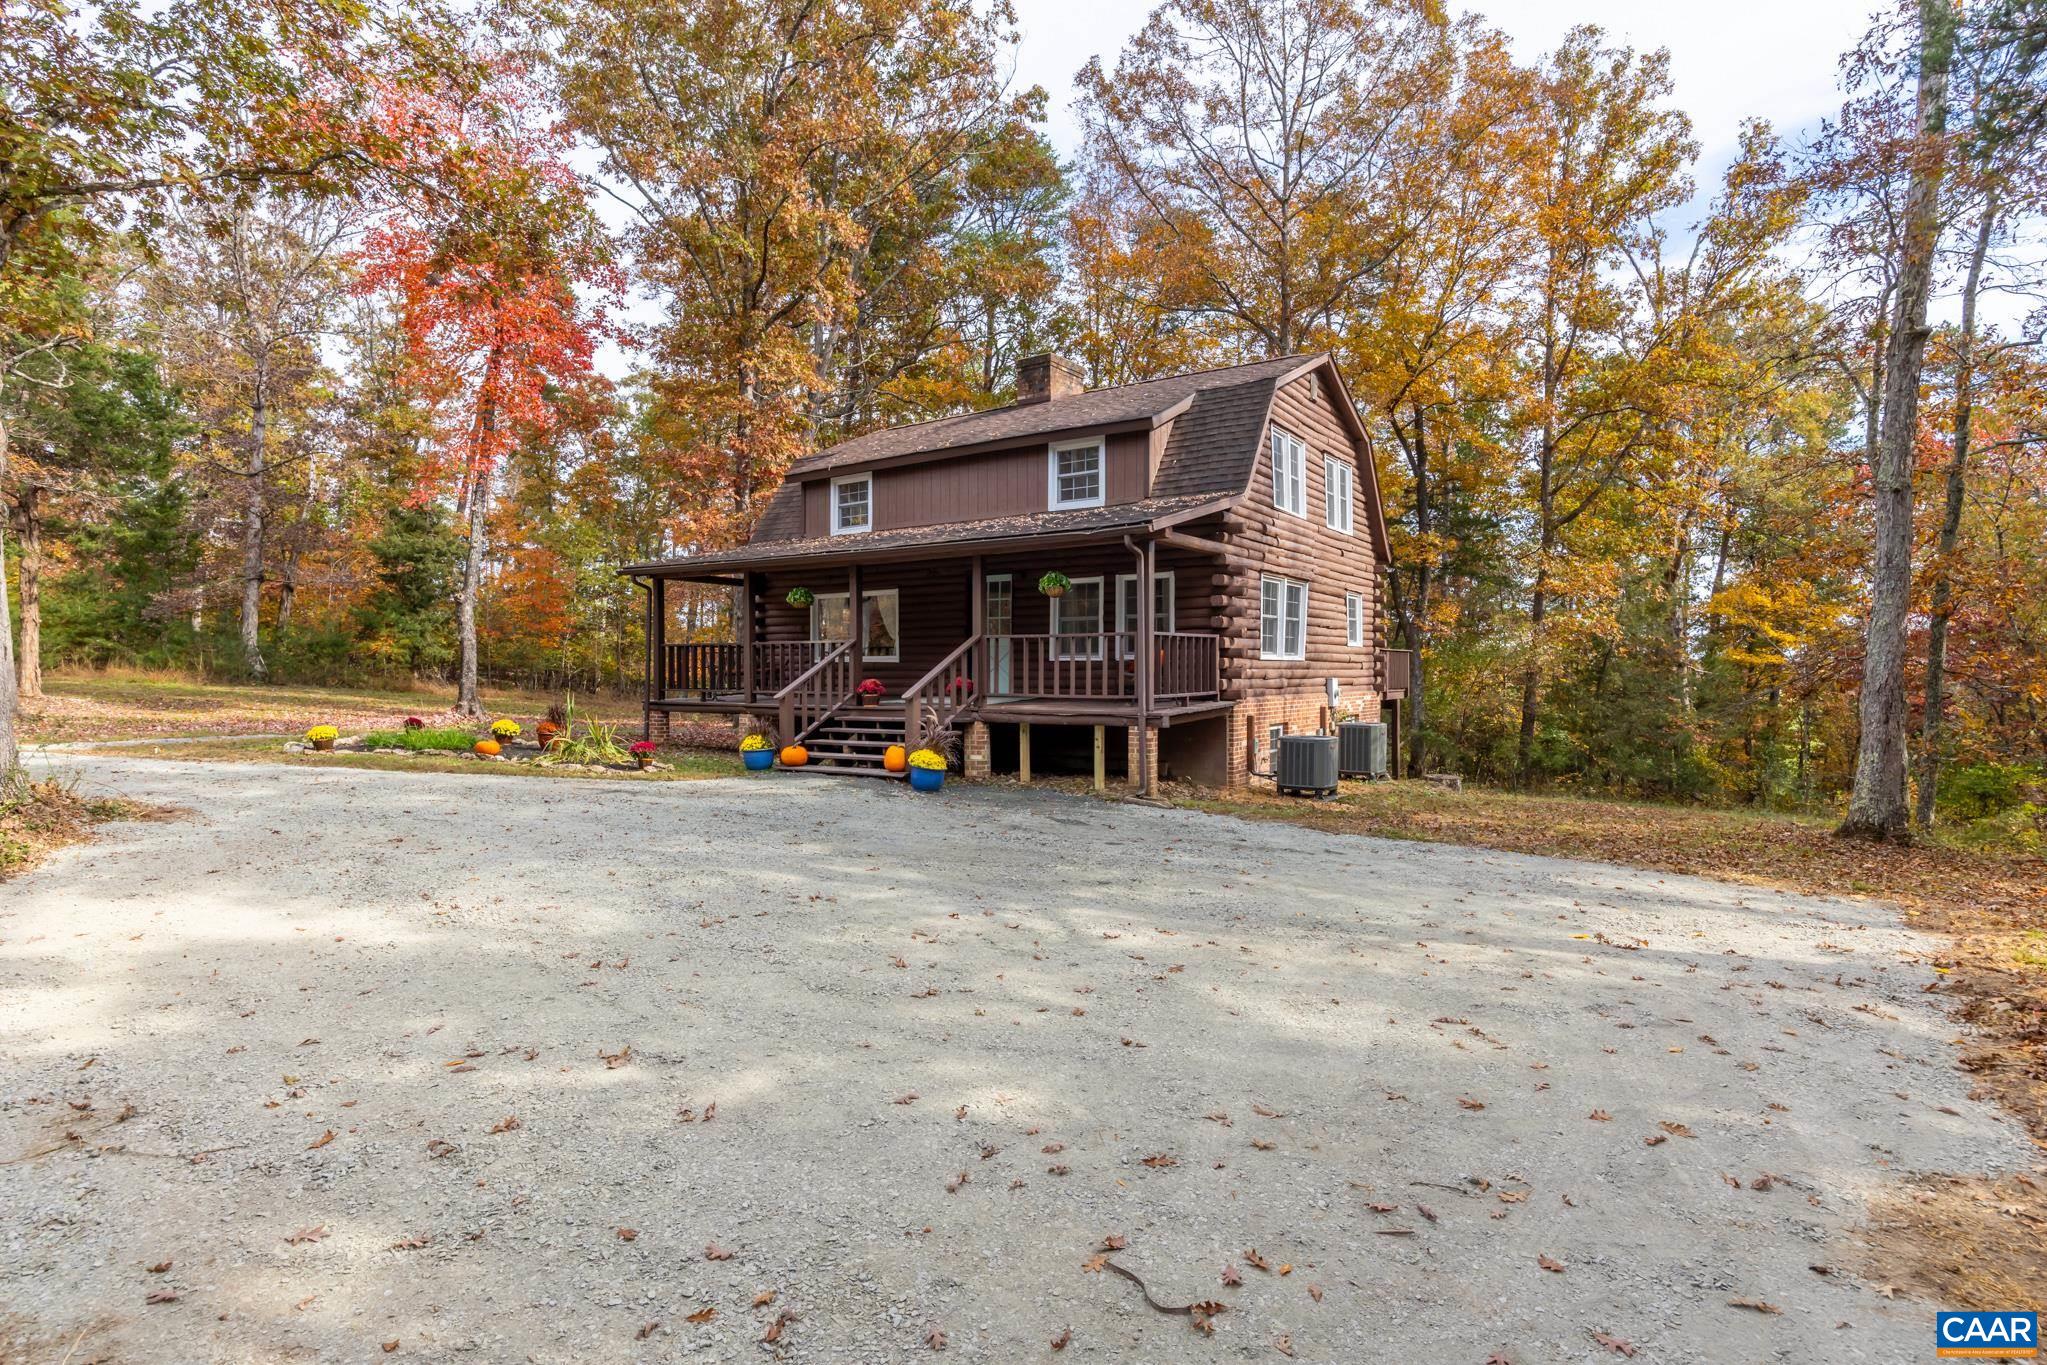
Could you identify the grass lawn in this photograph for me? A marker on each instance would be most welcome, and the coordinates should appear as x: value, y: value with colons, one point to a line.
x: 1991, y: 906
x: 683, y: 765
x: 118, y: 705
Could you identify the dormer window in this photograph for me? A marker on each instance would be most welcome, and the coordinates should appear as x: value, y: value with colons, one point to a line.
x: 852, y: 504
x: 1075, y: 473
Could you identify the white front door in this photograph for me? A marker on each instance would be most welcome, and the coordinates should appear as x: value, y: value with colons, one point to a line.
x: 997, y: 620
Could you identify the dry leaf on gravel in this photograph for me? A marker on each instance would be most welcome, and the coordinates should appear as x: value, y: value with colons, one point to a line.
x: 1159, y: 1159
x: 628, y: 1234
x: 321, y: 1141
x: 935, y: 1339
x: 306, y: 1235
x: 714, y: 1252
x: 161, y: 1296
x: 390, y: 1346
x: 647, y: 1329
x: 1550, y: 1264
x: 764, y: 1298
x: 702, y: 1315
x: 1315, y: 1292
x: 1254, y: 1260
x: 1231, y: 1275
x: 160, y: 1267
x: 505, y: 1124
x: 1757, y: 1304
x: 1600, y: 1116
x: 1615, y: 1344
x: 1063, y: 1340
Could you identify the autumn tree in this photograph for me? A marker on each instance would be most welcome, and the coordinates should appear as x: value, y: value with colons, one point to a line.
x: 787, y: 171
x: 1258, y: 138
x: 482, y: 256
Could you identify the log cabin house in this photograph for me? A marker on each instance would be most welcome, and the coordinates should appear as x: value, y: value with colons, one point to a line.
x: 1244, y: 496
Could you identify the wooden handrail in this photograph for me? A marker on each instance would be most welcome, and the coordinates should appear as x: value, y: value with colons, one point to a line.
x: 812, y: 695
x: 949, y: 698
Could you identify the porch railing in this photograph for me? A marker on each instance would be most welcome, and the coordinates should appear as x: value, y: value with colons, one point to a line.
x: 812, y: 695
x: 718, y: 669
x: 1189, y: 667
x: 934, y: 699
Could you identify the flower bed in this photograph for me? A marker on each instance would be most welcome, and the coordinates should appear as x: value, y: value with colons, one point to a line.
x: 453, y: 737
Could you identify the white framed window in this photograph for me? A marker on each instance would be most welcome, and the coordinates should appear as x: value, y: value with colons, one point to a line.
x: 1077, y: 621
x: 1354, y: 618
x: 1075, y: 474
x: 852, y: 504
x: 1289, y: 473
x: 879, y: 642
x: 1126, y: 607
x: 1282, y: 619
x: 1337, y: 480
x: 1272, y: 736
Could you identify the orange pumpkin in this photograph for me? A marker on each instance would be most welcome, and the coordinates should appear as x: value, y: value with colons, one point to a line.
x: 795, y: 756
x: 895, y: 758
x: 489, y: 748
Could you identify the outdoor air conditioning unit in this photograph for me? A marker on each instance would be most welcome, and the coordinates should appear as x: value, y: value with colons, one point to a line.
x: 1306, y: 765
x: 1361, y: 748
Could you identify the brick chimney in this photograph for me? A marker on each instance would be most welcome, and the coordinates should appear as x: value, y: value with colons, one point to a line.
x: 1044, y: 377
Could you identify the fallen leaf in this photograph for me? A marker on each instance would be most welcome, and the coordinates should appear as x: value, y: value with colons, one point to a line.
x: 702, y: 1315
x: 910, y: 1098
x: 1555, y: 1267
x: 1231, y: 1276
x: 1115, y: 1241
x: 1264, y: 1112
x: 161, y: 1296
x: 1260, y: 1144
x: 1425, y: 1211
x: 935, y: 1339
x: 1600, y: 1116
x: 774, y: 1332
x: 714, y: 1252
x: 1284, y: 1344
x: 306, y: 1235
x: 390, y: 1346
x: 1471, y: 1104
x: 952, y: 1186
x: 628, y: 1234
x: 1056, y: 1170
x: 412, y: 1243
x: 1675, y: 1129
x: 1254, y: 1260
x: 1757, y: 1304
x: 647, y: 1329
x: 505, y: 1124
x: 1065, y: 1338
x: 160, y: 1267
x: 321, y: 1141
x: 1615, y: 1344
x: 1159, y: 1159
x: 1093, y: 1264
x: 1654, y: 1138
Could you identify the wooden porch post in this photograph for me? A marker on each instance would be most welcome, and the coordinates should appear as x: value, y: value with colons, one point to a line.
x: 647, y: 687
x: 856, y: 614
x: 1147, y: 658
x: 1023, y: 752
x: 1101, y: 760
x: 657, y: 603
x: 745, y: 620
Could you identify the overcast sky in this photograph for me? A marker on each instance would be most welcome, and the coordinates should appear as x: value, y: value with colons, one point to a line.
x: 1730, y: 59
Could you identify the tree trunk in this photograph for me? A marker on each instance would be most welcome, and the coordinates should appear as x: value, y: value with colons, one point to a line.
x: 1950, y: 528
x: 29, y: 511
x: 468, y: 702
x: 7, y: 742
x: 252, y: 537
x: 1876, y: 806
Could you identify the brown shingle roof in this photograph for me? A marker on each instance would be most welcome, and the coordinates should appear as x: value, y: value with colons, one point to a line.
x: 1142, y: 402
x: 1115, y: 516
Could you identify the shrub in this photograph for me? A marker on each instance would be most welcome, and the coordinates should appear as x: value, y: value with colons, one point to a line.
x: 800, y: 597
x: 452, y: 737
x: 597, y: 744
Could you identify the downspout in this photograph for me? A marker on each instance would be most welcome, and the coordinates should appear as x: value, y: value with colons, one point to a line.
x: 1145, y: 650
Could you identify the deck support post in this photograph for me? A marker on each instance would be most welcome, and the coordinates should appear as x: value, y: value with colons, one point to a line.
x: 744, y: 616
x: 1101, y: 759
x: 1023, y: 752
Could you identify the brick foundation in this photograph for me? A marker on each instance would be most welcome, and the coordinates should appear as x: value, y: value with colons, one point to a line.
x: 975, y: 758
x: 1303, y: 713
x: 656, y: 726
x: 1133, y: 771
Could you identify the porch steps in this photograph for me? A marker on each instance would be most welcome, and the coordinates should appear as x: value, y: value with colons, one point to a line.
x: 852, y: 744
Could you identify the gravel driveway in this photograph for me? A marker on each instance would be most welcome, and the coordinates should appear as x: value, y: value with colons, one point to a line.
x: 515, y: 1070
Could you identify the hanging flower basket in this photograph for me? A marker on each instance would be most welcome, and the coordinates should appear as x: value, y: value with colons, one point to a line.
x: 800, y: 597
x: 1054, y: 584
